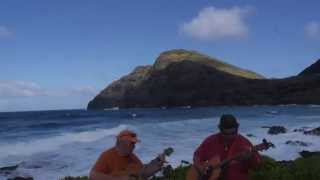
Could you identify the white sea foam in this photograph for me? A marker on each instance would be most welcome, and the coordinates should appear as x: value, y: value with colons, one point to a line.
x: 53, y: 143
x: 284, y: 151
x: 314, y: 105
x: 111, y: 109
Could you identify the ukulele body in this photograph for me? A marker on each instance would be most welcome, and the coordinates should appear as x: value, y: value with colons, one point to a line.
x: 211, y: 168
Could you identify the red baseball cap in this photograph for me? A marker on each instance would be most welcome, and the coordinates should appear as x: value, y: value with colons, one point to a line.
x: 128, y: 135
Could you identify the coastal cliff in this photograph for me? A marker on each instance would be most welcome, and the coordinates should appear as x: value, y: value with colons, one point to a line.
x: 189, y: 78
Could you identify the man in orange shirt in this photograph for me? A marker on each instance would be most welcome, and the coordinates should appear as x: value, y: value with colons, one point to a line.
x: 120, y: 163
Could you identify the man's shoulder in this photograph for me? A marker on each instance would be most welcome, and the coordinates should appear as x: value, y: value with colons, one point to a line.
x: 109, y: 152
x: 136, y: 158
x: 212, y: 137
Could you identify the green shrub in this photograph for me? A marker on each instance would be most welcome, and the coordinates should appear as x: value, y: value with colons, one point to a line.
x: 271, y: 170
x: 300, y: 169
x: 306, y: 168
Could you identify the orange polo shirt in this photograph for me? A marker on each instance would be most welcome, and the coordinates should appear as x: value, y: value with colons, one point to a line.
x: 110, y: 162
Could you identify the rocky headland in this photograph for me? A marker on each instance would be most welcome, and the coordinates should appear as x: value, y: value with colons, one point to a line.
x: 189, y: 78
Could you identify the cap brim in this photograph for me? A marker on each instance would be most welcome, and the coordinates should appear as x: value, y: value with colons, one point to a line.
x: 135, y: 140
x: 131, y: 139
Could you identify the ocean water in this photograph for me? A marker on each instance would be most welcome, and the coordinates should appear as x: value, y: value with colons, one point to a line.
x: 49, y: 145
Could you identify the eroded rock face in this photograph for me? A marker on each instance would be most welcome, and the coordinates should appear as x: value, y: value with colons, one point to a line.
x: 187, y: 78
x: 115, y: 94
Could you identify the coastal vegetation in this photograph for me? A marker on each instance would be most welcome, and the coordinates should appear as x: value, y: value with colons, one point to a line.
x: 303, y: 168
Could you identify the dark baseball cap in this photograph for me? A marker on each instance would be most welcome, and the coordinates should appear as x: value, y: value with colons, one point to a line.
x: 228, y: 121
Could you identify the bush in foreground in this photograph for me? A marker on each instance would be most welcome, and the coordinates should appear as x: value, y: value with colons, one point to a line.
x: 299, y: 169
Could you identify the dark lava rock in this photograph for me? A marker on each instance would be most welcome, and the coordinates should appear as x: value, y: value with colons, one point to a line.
x: 298, y: 143
x: 8, y: 169
x: 277, y: 130
x: 315, y: 132
x: 306, y: 154
x: 298, y: 130
x: 21, y: 178
x: 251, y: 135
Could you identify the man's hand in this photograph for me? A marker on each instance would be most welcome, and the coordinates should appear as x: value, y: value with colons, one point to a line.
x: 153, y: 167
x: 244, y: 156
x: 162, y: 159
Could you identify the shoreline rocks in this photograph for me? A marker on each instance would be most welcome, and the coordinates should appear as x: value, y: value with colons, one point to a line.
x: 274, y: 130
x: 315, y: 132
x: 298, y: 143
x: 307, y: 154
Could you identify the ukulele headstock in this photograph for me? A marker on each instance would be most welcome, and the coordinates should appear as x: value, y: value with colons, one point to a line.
x: 265, y: 145
x: 168, y: 151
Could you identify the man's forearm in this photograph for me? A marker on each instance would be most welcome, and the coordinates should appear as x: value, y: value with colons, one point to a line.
x: 152, y: 168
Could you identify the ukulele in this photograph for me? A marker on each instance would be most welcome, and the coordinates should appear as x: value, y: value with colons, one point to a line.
x: 137, y: 173
x: 211, y: 170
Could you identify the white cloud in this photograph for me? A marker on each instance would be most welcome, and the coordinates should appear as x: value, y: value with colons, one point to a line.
x: 213, y: 23
x: 24, y: 95
x: 5, y: 32
x: 87, y: 90
x: 312, y: 29
x: 20, y: 89
x: 12, y: 88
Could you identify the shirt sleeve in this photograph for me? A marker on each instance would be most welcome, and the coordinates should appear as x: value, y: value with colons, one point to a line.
x: 102, y: 164
x: 200, y: 153
x: 137, y: 161
x: 255, y: 160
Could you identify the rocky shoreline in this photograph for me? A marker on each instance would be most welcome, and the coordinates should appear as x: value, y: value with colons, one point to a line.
x: 275, y: 130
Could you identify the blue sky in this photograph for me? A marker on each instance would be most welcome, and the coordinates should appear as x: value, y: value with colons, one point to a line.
x: 59, y: 54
